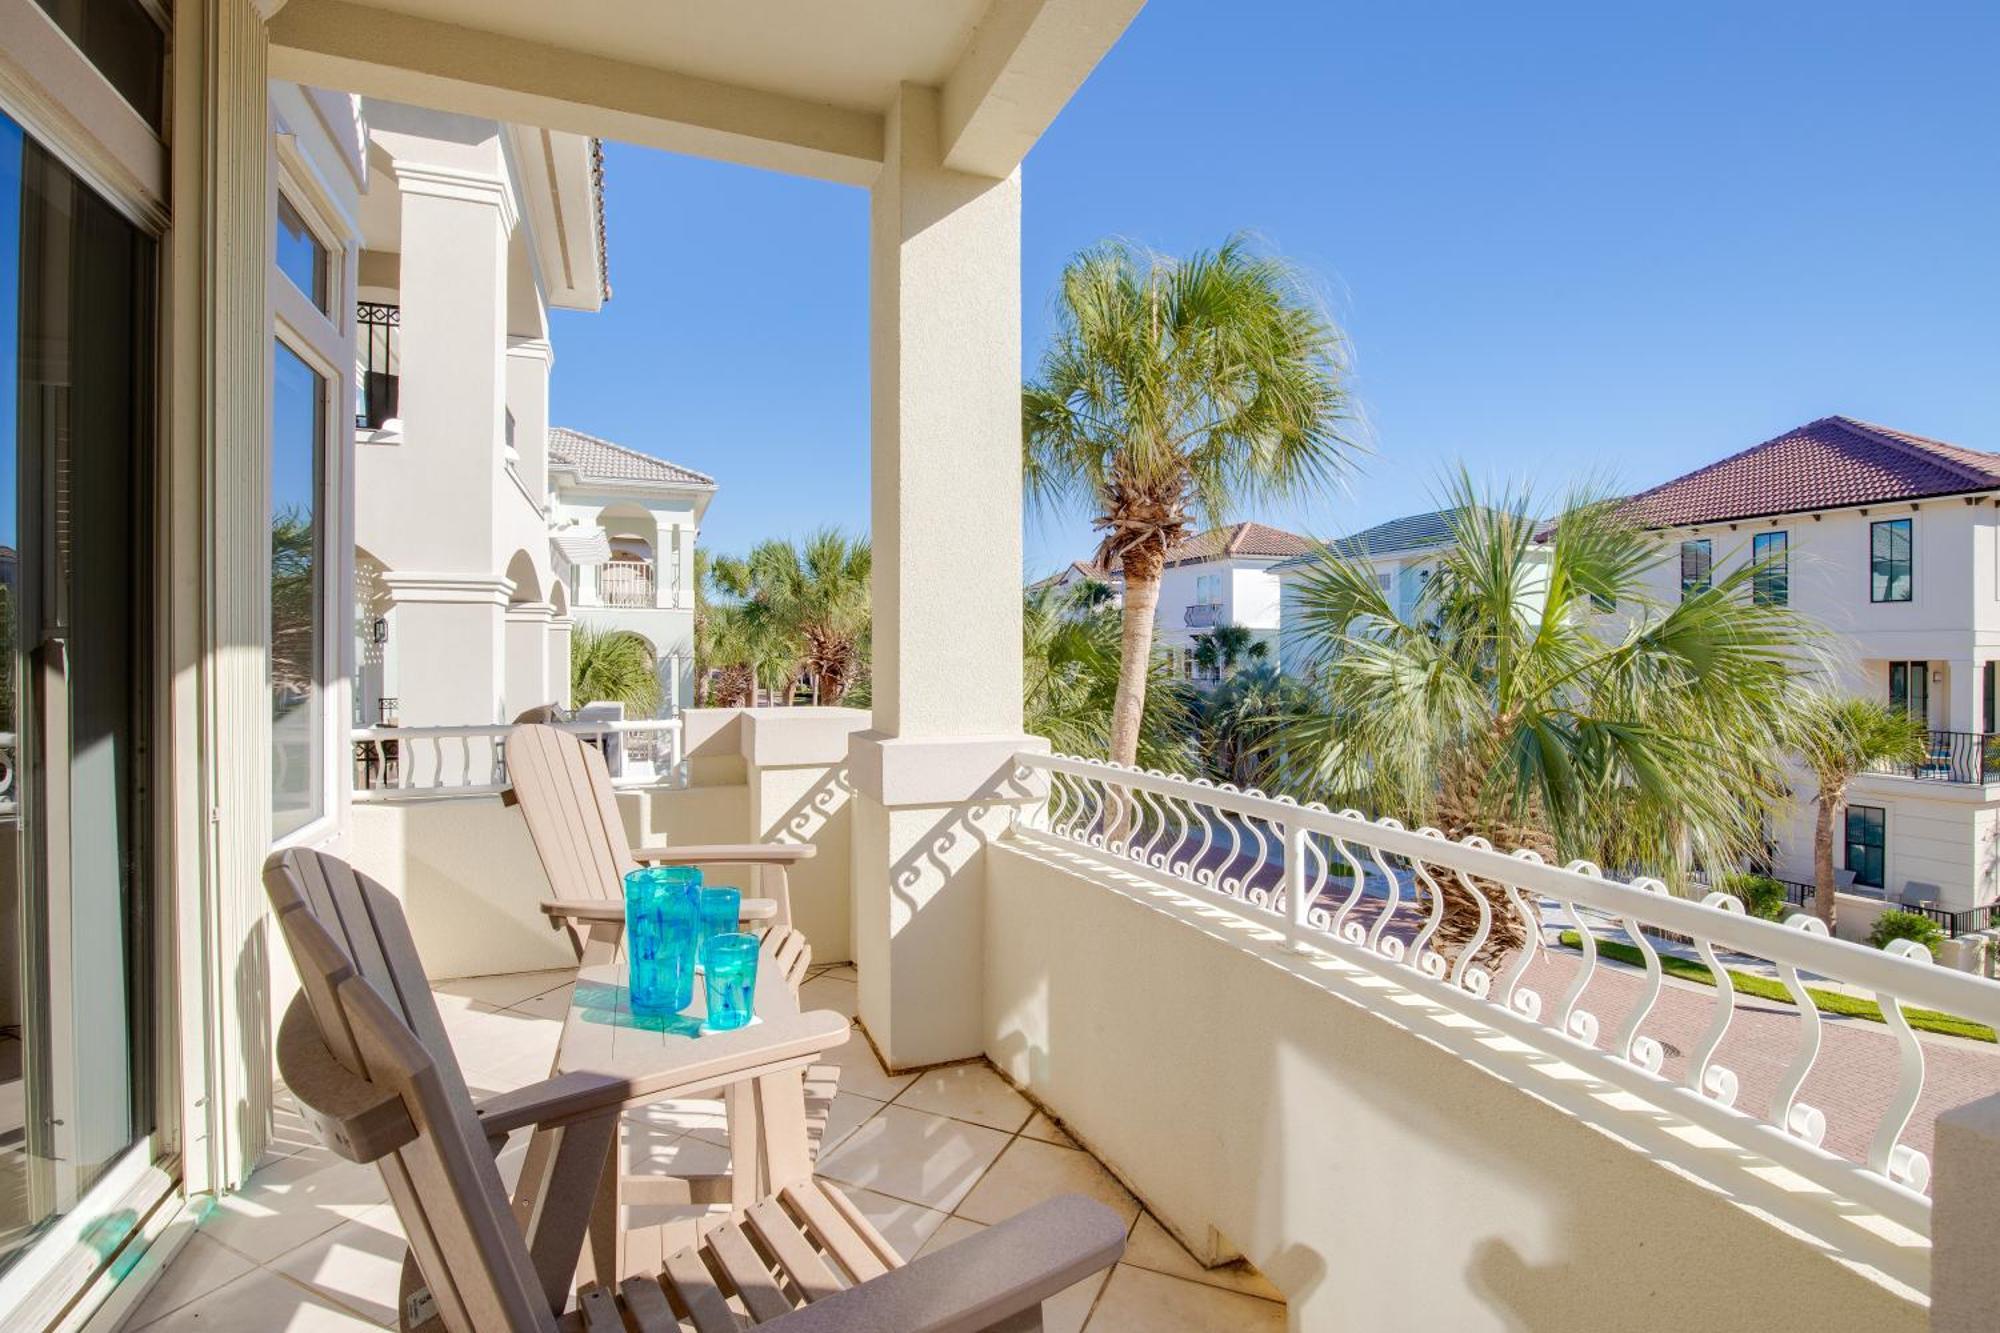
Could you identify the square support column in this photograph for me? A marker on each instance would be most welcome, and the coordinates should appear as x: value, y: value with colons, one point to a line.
x: 934, y: 779
x: 525, y: 681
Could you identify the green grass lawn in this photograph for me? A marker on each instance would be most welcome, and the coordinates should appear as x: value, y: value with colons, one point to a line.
x: 1764, y: 988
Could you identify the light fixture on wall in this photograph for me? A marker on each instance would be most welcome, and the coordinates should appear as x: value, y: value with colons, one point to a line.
x: 378, y: 632
x: 1937, y: 675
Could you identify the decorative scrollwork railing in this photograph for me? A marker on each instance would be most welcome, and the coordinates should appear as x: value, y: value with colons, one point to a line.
x: 1341, y: 883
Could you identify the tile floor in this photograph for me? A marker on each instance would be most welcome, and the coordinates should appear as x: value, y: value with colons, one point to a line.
x: 311, y: 1244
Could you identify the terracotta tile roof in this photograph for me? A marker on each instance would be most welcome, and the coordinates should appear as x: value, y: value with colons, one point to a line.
x: 601, y: 460
x: 1826, y: 464
x: 1257, y: 541
x: 1079, y: 571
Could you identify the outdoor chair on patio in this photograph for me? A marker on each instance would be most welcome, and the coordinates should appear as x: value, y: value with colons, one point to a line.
x: 564, y: 791
x: 361, y: 1048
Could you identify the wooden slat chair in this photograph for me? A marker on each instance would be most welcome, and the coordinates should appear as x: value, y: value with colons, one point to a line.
x: 565, y: 793
x: 377, y: 1089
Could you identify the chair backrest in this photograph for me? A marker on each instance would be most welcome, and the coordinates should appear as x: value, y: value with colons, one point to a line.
x: 564, y: 791
x: 354, y: 1052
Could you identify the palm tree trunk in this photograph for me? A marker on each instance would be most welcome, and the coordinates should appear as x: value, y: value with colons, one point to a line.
x: 1135, y: 653
x: 1823, y: 887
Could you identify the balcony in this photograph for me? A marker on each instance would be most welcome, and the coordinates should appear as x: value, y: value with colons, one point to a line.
x: 1202, y: 615
x: 1971, y: 757
x: 625, y: 583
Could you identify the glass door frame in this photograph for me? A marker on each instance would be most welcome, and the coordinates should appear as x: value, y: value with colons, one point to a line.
x: 61, y: 101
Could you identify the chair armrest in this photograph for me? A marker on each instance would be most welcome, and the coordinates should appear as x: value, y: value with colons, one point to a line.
x: 979, y: 1281
x: 583, y: 909
x: 557, y: 1099
x: 735, y: 854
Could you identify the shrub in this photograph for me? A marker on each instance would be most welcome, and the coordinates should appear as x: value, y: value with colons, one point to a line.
x: 1760, y: 895
x: 1900, y: 925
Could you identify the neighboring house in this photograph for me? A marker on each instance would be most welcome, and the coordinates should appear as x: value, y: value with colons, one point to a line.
x: 1079, y: 572
x: 1892, y: 542
x: 624, y: 526
x: 1222, y: 577
x: 470, y: 232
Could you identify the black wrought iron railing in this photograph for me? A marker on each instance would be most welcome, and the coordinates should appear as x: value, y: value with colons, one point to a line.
x: 1954, y: 756
x: 377, y: 336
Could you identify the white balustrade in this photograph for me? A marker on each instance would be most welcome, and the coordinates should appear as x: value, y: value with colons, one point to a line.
x: 392, y: 763
x: 625, y: 583
x: 1374, y: 891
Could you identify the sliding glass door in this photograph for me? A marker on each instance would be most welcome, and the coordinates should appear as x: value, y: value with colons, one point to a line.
x: 77, y: 987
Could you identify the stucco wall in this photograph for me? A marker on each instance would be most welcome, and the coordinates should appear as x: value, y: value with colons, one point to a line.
x: 1383, y: 1181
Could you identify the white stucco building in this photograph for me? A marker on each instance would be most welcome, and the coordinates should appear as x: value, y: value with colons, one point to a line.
x: 1890, y: 541
x: 624, y: 526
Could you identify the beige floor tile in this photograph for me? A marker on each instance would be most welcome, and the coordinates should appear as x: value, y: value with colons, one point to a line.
x: 659, y: 1155
x: 1064, y: 1313
x: 290, y: 1203
x: 358, y: 1264
x: 682, y: 1115
x: 1137, y: 1300
x: 260, y: 1302
x: 1152, y: 1246
x: 861, y: 1072
x: 830, y: 992
x: 1031, y: 1171
x: 913, y: 1156
x: 198, y: 1267
x: 844, y: 971
x: 500, y: 991
x: 968, y: 1092
x: 1039, y: 1126
x: 552, y: 1005
x: 907, y: 1226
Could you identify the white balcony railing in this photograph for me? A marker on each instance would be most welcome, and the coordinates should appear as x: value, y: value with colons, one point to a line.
x: 1374, y: 891
x: 625, y: 583
x: 400, y: 763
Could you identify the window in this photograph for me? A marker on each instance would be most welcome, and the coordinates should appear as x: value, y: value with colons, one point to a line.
x: 1697, y: 565
x: 124, y: 40
x: 1910, y: 688
x: 1771, y: 581
x: 299, y: 396
x: 1986, y: 695
x: 1889, y: 560
x: 1208, y: 589
x: 376, y: 364
x: 1865, y: 841
x: 301, y: 257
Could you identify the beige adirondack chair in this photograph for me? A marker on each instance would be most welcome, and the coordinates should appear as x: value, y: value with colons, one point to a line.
x: 362, y: 1049
x: 564, y: 791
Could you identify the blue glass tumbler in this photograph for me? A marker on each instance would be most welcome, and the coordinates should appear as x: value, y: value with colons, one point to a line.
x: 729, y: 971
x: 721, y: 908
x: 662, y: 937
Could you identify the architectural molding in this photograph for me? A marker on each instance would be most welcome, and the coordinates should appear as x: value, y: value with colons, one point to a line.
x: 898, y: 772
x: 533, y: 349
x: 473, y: 187
x: 531, y: 612
x: 379, y: 53
x: 800, y: 737
x: 436, y: 589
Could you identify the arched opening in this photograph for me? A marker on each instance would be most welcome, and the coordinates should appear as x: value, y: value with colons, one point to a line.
x: 527, y: 582
x: 629, y: 577
x: 374, y: 694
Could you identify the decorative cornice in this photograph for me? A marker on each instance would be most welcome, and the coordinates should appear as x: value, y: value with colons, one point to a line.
x: 531, y: 611
x: 447, y: 588
x: 471, y: 187
x: 540, y: 349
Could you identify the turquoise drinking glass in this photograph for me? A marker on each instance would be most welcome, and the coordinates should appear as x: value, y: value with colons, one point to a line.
x: 729, y: 969
x: 662, y: 937
x: 721, y: 908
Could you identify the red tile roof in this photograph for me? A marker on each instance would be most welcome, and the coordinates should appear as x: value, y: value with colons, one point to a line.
x: 1251, y: 540
x: 1826, y: 464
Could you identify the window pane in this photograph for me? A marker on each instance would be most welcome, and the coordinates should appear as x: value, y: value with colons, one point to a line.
x: 300, y: 255
x: 298, y: 425
x: 1771, y: 585
x: 1889, y: 564
x: 126, y: 45
x: 1696, y: 563
x: 1865, y: 829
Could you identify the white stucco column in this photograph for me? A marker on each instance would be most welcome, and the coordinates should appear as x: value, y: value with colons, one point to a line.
x: 529, y: 361
x: 557, y: 647
x: 525, y: 682
x: 447, y: 633
x: 933, y: 776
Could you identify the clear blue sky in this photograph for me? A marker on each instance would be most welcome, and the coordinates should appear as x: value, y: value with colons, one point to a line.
x: 1563, y: 241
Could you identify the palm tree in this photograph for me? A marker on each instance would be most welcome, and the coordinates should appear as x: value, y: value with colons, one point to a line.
x: 1539, y: 695
x: 804, y: 610
x: 1840, y: 736
x: 1173, y: 387
x: 1241, y: 721
x: 1070, y: 671
x: 613, y: 665
x: 1224, y: 647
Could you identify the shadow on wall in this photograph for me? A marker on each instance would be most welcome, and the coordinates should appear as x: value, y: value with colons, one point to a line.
x: 1383, y: 1161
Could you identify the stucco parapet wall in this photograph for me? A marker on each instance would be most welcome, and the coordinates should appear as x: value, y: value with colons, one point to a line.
x: 469, y: 589
x: 471, y: 187
x: 900, y: 772
x: 773, y: 737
